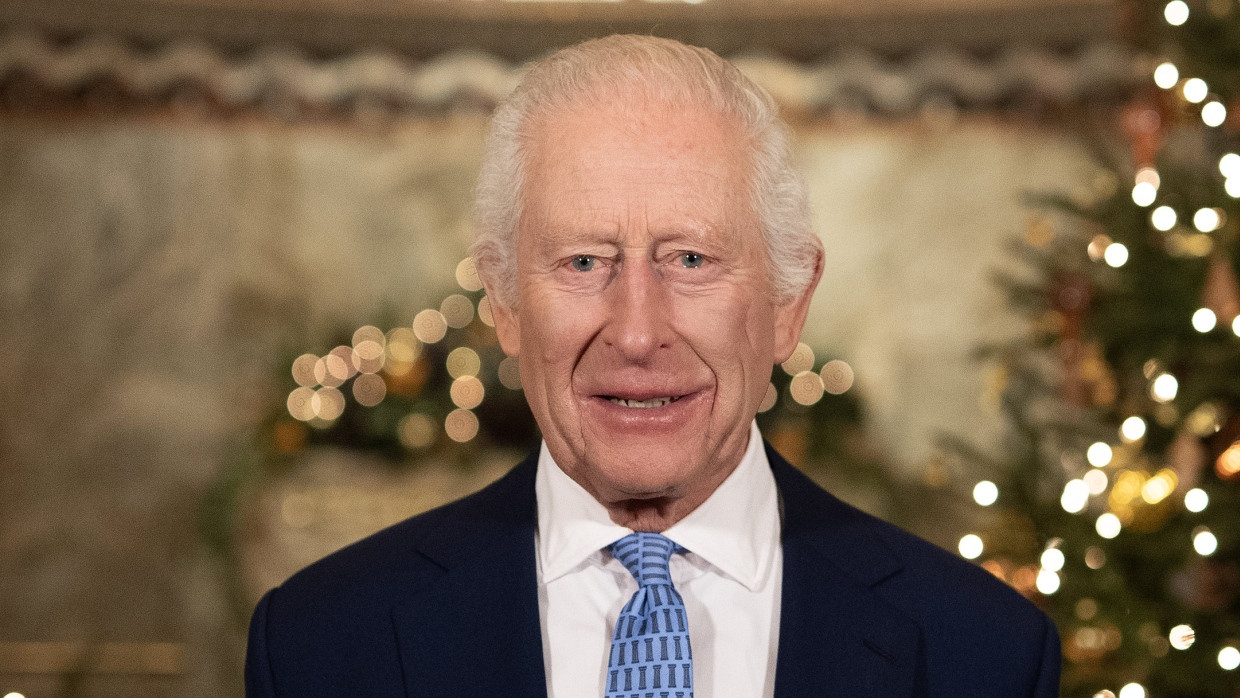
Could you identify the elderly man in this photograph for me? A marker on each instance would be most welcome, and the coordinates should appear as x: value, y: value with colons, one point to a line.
x: 647, y: 248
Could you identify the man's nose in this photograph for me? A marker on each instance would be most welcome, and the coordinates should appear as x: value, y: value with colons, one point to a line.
x: 638, y: 312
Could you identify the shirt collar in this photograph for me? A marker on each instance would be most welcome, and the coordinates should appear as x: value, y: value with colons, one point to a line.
x: 735, y: 530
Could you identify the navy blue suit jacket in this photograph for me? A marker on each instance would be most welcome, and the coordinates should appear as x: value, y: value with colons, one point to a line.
x: 445, y: 604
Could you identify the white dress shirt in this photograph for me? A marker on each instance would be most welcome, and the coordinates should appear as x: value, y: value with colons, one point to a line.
x: 730, y: 580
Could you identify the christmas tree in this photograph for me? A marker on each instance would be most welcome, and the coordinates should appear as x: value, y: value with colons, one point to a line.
x: 1114, y: 501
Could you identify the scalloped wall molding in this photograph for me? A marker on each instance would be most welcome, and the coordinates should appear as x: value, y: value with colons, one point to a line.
x: 853, y: 79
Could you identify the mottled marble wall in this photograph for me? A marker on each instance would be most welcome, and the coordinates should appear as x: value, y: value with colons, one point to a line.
x: 152, y: 272
x: 915, y: 220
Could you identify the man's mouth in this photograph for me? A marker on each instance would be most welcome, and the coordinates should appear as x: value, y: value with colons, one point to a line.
x: 643, y: 404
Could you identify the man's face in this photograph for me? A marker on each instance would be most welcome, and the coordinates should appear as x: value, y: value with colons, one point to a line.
x: 644, y: 317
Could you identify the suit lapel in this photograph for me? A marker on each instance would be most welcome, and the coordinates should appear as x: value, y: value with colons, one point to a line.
x: 475, y: 630
x: 838, y: 636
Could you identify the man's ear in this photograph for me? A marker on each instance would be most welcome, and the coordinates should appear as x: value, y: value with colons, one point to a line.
x: 790, y: 316
x: 507, y: 322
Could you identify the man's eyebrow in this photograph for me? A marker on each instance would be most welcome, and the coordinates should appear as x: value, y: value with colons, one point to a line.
x: 570, y: 240
x: 705, y: 235
x: 570, y: 235
x: 702, y: 234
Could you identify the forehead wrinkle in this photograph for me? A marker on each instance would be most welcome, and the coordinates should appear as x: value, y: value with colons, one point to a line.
x: 588, y: 206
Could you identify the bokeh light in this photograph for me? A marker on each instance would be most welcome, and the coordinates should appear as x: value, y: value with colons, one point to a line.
x: 1164, y: 388
x: 1108, y: 525
x: 1099, y: 454
x: 429, y: 326
x: 837, y: 377
x: 1204, y: 320
x: 303, y: 370
x: 288, y: 437
x: 1176, y: 13
x: 460, y: 425
x: 1144, y: 193
x: 1213, y: 113
x: 369, y: 390
x: 1229, y: 165
x: 1181, y: 244
x: 1095, y: 557
x: 416, y: 431
x: 1115, y: 255
x: 463, y: 361
x: 299, y: 406
x: 467, y: 392
x: 340, y: 362
x: 368, y: 356
x: 1182, y: 637
x: 1204, y: 541
x: 323, y: 375
x: 457, y: 311
x: 1148, y: 175
x: 484, y: 312
x: 467, y: 275
x: 1166, y: 75
x: 1047, y: 582
x: 510, y: 373
x: 1163, y: 218
x: 368, y: 349
x: 1207, y: 220
x: 971, y: 546
x: 1096, y: 481
x: 368, y: 333
x: 802, y: 360
x: 1229, y: 658
x: 1228, y: 465
x: 1132, y: 429
x: 1075, y: 496
x: 806, y: 388
x: 1132, y: 690
x: 328, y: 403
x: 985, y: 493
x: 1097, y: 247
x: 1195, y: 90
x: 1204, y: 421
x: 1159, y: 487
x: 1196, y: 500
x: 1052, y: 559
x: 403, y: 345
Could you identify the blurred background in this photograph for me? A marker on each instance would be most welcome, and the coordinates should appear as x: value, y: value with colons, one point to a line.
x: 239, y: 328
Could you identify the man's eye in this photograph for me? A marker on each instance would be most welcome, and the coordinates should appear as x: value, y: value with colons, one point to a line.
x: 691, y: 260
x: 583, y: 262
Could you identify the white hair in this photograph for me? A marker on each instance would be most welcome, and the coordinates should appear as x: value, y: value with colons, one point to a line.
x: 666, y: 71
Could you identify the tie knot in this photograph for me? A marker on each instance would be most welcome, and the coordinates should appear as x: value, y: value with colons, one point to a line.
x: 646, y: 556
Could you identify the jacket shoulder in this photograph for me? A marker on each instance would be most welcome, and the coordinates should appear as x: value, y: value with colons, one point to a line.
x: 979, y: 636
x: 330, y: 625
x: 425, y: 544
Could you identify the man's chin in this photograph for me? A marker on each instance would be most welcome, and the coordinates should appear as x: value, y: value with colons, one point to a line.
x: 643, y: 475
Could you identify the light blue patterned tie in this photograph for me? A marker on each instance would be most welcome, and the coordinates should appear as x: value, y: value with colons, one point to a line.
x: 650, y: 656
